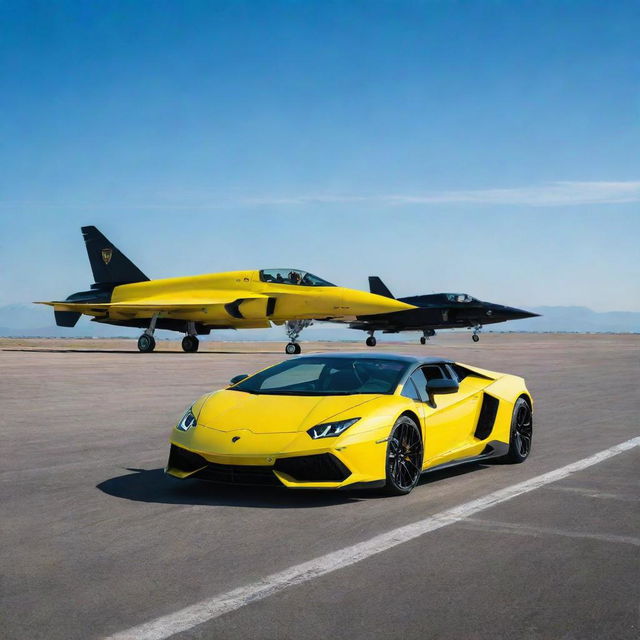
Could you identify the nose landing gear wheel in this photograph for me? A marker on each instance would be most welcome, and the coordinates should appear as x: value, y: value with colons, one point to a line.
x: 371, y: 341
x: 475, y: 337
x: 423, y: 340
x: 292, y: 348
x: 146, y: 343
x: 190, y: 344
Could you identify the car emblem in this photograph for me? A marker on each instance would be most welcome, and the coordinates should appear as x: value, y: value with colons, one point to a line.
x: 106, y: 255
x: 235, y: 438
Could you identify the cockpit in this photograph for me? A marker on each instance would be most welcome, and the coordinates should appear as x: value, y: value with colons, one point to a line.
x: 293, y: 276
x: 459, y: 297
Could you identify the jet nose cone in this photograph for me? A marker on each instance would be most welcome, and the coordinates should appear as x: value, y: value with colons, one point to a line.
x: 511, y: 313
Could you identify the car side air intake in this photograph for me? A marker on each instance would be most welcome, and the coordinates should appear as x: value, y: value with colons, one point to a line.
x: 487, y: 417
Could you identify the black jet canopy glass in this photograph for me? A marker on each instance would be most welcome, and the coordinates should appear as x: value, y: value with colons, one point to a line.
x: 459, y: 297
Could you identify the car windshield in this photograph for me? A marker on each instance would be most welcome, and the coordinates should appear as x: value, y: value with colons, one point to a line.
x: 322, y: 376
x: 293, y: 276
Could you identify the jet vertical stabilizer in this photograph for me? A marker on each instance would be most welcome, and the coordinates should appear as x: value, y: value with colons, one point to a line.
x: 379, y: 288
x: 108, y: 263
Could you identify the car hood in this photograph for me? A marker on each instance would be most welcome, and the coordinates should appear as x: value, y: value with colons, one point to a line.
x: 232, y: 410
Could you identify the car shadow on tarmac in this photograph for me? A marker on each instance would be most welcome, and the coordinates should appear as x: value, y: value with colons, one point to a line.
x: 153, y: 485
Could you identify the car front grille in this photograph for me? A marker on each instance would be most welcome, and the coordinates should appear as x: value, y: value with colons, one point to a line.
x: 224, y: 473
x: 323, y: 467
x: 238, y: 474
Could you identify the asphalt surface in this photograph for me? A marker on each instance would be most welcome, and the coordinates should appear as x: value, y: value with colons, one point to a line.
x: 95, y: 540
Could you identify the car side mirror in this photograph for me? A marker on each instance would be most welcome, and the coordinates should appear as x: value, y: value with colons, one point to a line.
x: 238, y: 378
x: 442, y: 386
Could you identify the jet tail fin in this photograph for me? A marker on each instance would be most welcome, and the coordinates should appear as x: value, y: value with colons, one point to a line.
x: 108, y: 263
x: 379, y: 288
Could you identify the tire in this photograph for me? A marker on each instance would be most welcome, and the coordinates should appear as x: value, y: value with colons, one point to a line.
x: 475, y: 337
x: 403, y: 473
x: 521, y: 433
x: 146, y: 343
x: 293, y: 348
x: 371, y: 341
x: 423, y: 340
x: 190, y: 344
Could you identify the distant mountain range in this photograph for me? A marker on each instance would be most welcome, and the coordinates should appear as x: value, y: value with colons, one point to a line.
x: 575, y: 319
x: 24, y: 320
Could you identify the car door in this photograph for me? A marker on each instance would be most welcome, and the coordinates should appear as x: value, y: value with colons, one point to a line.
x: 449, y: 419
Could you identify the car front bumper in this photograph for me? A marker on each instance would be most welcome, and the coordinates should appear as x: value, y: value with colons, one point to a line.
x: 312, y: 470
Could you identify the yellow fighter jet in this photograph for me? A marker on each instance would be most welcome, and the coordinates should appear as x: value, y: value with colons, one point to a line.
x: 123, y: 295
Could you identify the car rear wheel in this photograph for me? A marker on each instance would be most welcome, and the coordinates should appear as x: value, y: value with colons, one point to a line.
x: 404, y: 457
x: 521, y: 432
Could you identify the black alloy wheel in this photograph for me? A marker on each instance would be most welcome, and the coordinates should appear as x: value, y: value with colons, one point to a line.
x: 190, y: 344
x: 404, y: 457
x: 146, y: 343
x: 521, y: 432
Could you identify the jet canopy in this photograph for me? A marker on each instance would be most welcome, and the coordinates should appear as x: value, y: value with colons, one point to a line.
x: 293, y: 276
x: 459, y: 297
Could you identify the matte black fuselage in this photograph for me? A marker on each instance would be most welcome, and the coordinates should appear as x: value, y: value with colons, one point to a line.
x: 439, y: 311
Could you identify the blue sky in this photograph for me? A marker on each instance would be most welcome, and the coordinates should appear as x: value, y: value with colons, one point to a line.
x: 489, y: 147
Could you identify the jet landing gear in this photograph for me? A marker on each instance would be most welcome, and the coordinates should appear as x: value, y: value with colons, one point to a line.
x: 146, y: 342
x: 371, y: 341
x: 426, y: 334
x: 294, y: 329
x: 476, y: 330
x: 190, y: 342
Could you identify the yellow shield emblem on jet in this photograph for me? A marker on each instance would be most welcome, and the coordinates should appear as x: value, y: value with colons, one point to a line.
x: 106, y: 255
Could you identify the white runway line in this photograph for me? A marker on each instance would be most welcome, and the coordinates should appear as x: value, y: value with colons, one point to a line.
x: 189, y: 617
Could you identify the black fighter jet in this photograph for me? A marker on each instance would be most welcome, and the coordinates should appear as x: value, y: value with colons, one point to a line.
x: 435, y: 311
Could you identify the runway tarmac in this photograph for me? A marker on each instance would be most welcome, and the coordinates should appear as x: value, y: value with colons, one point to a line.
x: 96, y: 541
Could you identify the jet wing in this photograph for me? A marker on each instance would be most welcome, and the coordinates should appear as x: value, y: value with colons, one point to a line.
x: 147, y: 308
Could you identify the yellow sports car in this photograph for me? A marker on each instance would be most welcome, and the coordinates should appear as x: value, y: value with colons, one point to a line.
x: 352, y: 421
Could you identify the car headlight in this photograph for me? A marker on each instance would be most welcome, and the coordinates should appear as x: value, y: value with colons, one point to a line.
x: 331, y: 429
x: 187, y: 421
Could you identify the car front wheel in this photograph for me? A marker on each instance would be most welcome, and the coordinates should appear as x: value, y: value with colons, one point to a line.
x: 404, y: 457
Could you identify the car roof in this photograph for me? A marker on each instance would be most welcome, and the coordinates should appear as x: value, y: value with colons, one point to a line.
x: 380, y: 356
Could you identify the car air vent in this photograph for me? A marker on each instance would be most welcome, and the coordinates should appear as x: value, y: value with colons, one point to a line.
x: 185, y: 460
x: 316, y: 468
x: 487, y: 416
